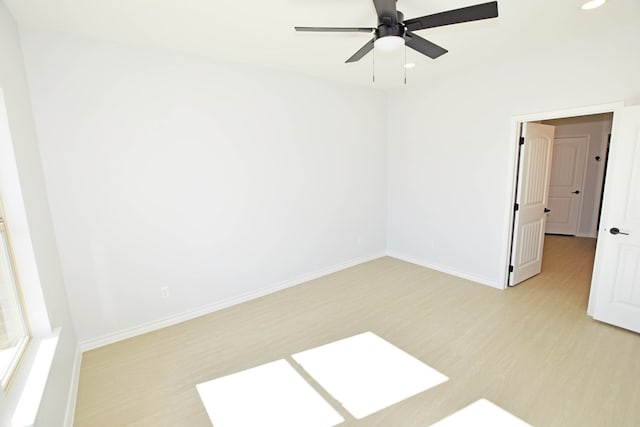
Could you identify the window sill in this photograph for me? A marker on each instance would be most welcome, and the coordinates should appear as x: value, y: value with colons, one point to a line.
x: 11, y: 358
x: 31, y: 378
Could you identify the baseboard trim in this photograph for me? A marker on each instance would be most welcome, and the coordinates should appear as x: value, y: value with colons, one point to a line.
x: 147, y: 327
x: 73, y: 389
x: 589, y: 235
x: 444, y: 269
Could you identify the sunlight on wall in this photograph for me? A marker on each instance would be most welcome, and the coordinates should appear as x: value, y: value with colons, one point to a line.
x: 31, y: 397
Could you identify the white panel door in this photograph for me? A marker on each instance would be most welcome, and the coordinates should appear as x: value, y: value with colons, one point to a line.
x: 565, y: 189
x: 531, y: 199
x: 615, y: 289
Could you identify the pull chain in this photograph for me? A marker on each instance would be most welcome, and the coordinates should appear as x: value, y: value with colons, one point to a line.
x: 373, y: 71
x: 405, y: 65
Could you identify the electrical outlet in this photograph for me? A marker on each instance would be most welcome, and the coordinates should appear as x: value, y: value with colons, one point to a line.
x: 164, y: 292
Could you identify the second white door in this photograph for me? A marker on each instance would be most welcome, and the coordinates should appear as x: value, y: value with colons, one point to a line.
x: 566, y: 187
x: 531, y: 201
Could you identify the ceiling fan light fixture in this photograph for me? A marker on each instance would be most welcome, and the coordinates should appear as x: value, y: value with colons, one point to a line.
x: 388, y: 43
x: 592, y: 4
x: 394, y: 32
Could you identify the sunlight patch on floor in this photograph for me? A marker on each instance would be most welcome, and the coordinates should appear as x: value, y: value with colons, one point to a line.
x: 273, y: 394
x: 365, y: 373
x: 481, y: 413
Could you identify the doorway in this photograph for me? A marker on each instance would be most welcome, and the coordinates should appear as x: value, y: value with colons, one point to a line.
x: 578, y: 170
x: 615, y: 283
x: 572, y: 205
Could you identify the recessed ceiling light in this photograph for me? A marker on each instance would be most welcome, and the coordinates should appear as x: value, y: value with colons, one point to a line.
x: 409, y: 65
x: 592, y: 4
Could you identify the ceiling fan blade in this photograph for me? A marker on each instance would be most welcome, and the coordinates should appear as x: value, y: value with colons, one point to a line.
x: 455, y: 16
x: 386, y: 9
x: 423, y: 46
x: 337, y: 29
x: 362, y: 52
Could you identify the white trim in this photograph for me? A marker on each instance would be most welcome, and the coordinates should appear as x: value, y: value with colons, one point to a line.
x: 570, y: 112
x: 154, y: 325
x: 514, y: 135
x: 589, y: 235
x: 514, y: 153
x: 584, y: 183
x: 606, y: 131
x: 73, y: 389
x: 444, y: 269
x: 36, y: 375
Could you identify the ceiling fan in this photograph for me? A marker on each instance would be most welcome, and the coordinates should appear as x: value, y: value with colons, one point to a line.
x: 393, y: 31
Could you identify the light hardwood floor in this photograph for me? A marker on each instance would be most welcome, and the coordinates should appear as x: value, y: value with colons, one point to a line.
x: 531, y: 349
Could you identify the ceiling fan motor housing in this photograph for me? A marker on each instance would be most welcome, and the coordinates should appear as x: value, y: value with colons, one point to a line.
x: 388, y: 27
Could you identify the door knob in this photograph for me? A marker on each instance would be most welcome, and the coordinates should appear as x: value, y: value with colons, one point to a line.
x: 547, y: 210
x: 576, y: 192
x: 616, y: 230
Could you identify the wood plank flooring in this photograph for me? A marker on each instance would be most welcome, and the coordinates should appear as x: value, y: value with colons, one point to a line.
x: 531, y: 349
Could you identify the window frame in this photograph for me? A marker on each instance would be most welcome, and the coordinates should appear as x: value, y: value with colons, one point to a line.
x: 9, y: 373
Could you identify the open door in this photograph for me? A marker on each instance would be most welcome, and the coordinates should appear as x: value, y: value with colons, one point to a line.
x: 615, y: 288
x: 536, y: 148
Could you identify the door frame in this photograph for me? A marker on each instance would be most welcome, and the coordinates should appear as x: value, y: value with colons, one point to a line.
x: 516, y: 125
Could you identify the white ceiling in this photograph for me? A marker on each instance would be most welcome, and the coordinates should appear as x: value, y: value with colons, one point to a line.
x: 261, y: 31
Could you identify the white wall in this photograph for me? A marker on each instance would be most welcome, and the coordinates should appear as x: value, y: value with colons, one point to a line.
x: 29, y: 222
x: 216, y: 180
x: 451, y: 175
x: 597, y: 128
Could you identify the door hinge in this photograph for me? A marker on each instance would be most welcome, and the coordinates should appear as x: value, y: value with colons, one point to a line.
x: 511, y: 269
x: 516, y: 207
x: 521, y: 141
